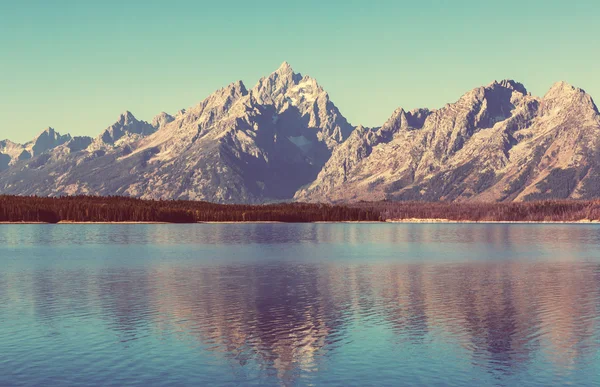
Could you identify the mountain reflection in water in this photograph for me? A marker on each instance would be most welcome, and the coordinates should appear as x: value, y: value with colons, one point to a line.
x: 325, y: 304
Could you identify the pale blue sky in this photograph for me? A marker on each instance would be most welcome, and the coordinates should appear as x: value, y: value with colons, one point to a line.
x: 75, y: 65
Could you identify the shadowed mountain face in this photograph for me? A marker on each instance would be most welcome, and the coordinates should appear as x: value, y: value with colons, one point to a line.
x: 284, y: 139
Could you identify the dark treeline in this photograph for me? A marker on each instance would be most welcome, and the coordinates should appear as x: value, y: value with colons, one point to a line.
x: 124, y: 209
x: 540, y: 211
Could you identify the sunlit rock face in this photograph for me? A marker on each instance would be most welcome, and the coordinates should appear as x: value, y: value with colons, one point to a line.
x: 496, y: 143
x: 236, y: 146
x: 284, y: 139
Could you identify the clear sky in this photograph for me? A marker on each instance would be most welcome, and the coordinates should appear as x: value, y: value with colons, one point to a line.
x: 76, y: 65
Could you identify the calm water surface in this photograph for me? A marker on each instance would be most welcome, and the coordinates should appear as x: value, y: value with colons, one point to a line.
x: 312, y: 304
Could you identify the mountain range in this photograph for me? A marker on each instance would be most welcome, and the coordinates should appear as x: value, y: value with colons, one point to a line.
x: 284, y: 140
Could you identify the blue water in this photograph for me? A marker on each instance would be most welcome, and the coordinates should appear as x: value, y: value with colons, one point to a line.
x: 299, y: 304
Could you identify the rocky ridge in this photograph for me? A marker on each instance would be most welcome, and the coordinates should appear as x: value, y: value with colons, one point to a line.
x: 284, y: 139
x: 237, y: 145
x: 496, y: 143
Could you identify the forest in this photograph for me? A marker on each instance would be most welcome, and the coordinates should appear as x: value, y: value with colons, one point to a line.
x: 533, y: 211
x: 126, y: 209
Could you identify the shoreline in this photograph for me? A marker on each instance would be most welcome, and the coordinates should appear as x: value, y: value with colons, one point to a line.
x: 449, y: 221
x: 70, y: 222
x: 387, y: 221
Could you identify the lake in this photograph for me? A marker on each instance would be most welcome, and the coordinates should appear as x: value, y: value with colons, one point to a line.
x: 300, y: 304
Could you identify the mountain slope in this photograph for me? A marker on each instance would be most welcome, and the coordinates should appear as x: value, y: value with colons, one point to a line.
x: 284, y: 139
x: 243, y: 145
x: 11, y: 152
x: 237, y: 145
x: 497, y: 143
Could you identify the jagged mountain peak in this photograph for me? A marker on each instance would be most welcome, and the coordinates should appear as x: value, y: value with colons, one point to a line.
x: 397, y: 120
x: 236, y: 87
x: 497, y: 142
x: 416, y: 117
x: 125, y: 125
x: 7, y: 142
x: 509, y: 84
x: 48, y: 139
x: 285, y: 74
x: 284, y: 86
x: 494, y: 93
x: 215, y: 105
x: 563, y: 87
x: 162, y: 119
x: 49, y: 129
x: 564, y: 96
x: 230, y: 92
x: 126, y: 118
x: 292, y: 94
x: 400, y: 111
x: 49, y: 132
x: 285, y: 68
x: 479, y: 108
x: 402, y: 119
x: 278, y: 82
